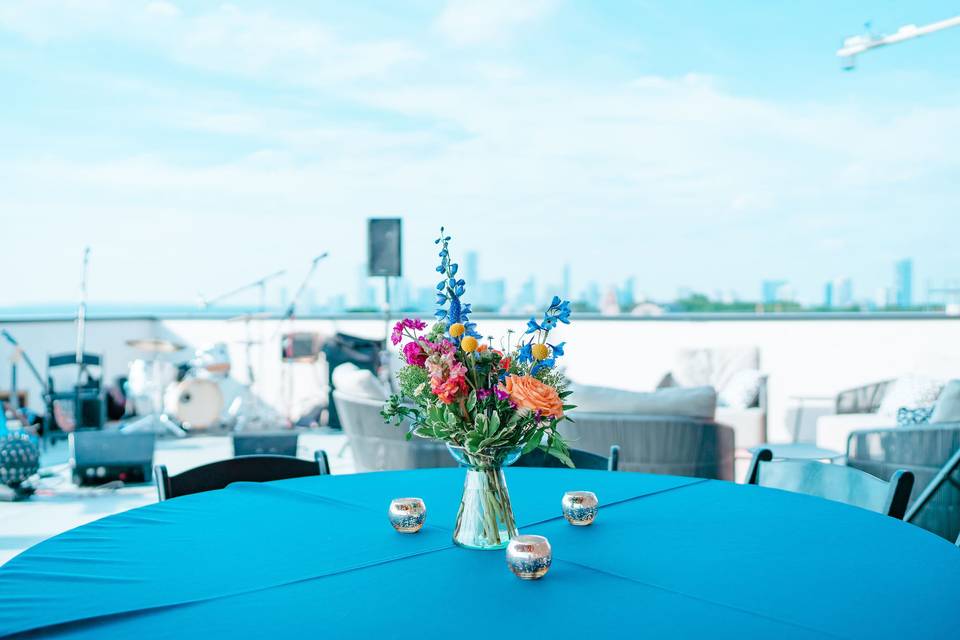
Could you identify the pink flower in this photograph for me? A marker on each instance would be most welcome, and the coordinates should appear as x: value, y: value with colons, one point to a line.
x: 414, y: 354
x: 397, y: 334
x: 448, y: 390
x: 407, y: 323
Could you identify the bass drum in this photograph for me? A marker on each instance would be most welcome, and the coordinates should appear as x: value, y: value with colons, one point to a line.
x: 196, y: 403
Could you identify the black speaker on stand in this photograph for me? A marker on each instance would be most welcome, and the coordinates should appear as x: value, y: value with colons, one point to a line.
x: 384, y: 237
x: 384, y: 241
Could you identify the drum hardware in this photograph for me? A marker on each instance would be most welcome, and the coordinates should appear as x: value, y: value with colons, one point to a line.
x: 214, y: 359
x: 286, y: 325
x: 18, y: 398
x: 261, y: 315
x: 196, y: 403
x: 154, y: 345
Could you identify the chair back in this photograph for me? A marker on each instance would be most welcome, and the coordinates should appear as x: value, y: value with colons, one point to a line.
x: 378, y: 446
x: 262, y: 443
x: 673, y: 445
x: 927, y: 450
x: 833, y: 482
x: 217, y: 475
x: 581, y: 460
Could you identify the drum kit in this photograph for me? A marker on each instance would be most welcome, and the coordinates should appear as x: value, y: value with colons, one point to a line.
x: 195, y: 395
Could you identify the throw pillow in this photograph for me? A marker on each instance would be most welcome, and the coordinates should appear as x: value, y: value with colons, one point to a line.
x: 742, y: 390
x: 909, y: 391
x: 907, y: 416
x: 947, y: 408
x: 694, y: 402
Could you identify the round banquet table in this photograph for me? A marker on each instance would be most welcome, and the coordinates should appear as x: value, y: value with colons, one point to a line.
x: 667, y: 557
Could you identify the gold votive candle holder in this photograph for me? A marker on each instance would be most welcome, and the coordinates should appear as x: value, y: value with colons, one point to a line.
x: 580, y: 507
x: 529, y: 556
x: 407, y: 514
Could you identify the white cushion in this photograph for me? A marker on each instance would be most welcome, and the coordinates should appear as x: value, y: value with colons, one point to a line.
x: 749, y: 425
x: 694, y: 402
x: 713, y: 367
x: 741, y: 390
x: 351, y: 380
x: 947, y: 408
x: 833, y: 430
x: 909, y: 391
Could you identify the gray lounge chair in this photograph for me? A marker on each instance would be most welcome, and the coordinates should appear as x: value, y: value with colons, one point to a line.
x: 657, y: 444
x: 378, y: 446
x: 925, y: 450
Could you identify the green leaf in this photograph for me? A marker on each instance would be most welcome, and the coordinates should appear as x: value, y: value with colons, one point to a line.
x: 494, y: 423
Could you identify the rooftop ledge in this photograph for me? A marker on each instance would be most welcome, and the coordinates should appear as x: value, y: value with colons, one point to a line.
x: 818, y: 316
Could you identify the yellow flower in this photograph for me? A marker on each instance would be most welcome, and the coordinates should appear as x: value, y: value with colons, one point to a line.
x: 539, y: 351
x: 469, y: 344
x: 457, y: 329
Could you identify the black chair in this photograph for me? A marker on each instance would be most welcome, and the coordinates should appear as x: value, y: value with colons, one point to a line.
x: 833, y: 482
x: 217, y: 475
x: 263, y: 443
x: 581, y: 460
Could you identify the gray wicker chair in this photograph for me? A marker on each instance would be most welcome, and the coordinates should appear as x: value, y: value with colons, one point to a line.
x: 657, y: 444
x: 924, y: 450
x: 378, y: 446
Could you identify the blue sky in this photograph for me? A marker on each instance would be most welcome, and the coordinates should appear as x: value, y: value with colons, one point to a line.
x: 704, y: 145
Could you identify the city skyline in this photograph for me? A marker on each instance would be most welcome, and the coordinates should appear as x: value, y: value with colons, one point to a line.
x: 195, y: 147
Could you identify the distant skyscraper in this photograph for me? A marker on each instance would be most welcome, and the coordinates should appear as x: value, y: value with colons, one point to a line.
x: 366, y: 295
x: 527, y: 297
x: 838, y: 293
x: 426, y: 299
x: 626, y: 296
x: 490, y: 295
x: 471, y: 267
x: 591, y: 296
x: 773, y: 290
x: 565, y: 294
x: 903, y: 282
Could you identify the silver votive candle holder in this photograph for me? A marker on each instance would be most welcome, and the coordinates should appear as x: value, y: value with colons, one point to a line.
x: 580, y: 507
x: 407, y: 514
x: 529, y: 556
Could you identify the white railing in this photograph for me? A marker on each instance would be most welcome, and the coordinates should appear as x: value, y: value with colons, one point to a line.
x: 803, y: 354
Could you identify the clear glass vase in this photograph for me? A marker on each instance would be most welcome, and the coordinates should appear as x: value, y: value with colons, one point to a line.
x: 485, y: 519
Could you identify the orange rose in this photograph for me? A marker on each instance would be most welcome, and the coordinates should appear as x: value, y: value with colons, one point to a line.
x: 530, y: 393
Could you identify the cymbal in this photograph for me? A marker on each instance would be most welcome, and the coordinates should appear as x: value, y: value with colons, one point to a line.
x: 256, y: 315
x: 154, y: 345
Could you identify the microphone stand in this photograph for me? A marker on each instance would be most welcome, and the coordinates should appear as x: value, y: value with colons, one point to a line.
x: 262, y: 285
x: 287, y: 317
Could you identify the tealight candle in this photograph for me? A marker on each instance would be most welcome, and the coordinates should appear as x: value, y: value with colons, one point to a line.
x: 580, y: 507
x: 529, y: 557
x: 407, y: 514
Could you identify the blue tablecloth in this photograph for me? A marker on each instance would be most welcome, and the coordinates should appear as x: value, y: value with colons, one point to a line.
x: 316, y: 557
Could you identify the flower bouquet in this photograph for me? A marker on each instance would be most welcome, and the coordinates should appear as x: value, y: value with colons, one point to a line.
x: 488, y: 405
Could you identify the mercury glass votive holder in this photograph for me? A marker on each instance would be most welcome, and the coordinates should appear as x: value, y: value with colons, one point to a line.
x: 580, y: 507
x: 529, y: 556
x: 407, y: 514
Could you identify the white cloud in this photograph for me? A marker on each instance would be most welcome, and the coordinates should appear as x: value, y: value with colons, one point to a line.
x: 469, y: 22
x: 226, y: 38
x: 163, y: 9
